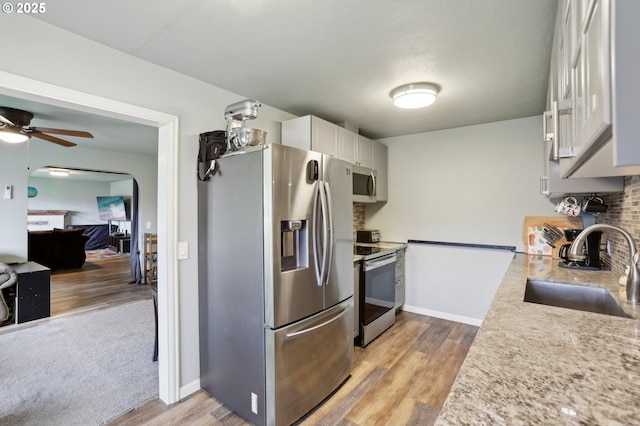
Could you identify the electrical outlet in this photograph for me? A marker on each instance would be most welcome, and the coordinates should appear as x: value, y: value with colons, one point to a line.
x: 148, y: 225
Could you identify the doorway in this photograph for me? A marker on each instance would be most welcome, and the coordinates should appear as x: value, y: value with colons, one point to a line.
x: 167, y: 124
x: 110, y: 273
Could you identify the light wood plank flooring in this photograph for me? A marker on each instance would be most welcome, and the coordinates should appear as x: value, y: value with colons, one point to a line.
x: 99, y: 283
x: 401, y: 378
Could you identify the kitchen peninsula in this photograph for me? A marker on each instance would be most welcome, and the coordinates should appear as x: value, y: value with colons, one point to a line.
x: 537, y: 364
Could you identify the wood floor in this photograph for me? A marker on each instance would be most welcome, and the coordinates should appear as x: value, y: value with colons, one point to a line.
x: 99, y: 283
x: 401, y: 378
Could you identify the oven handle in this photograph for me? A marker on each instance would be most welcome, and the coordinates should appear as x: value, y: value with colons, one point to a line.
x: 377, y: 263
x: 291, y: 336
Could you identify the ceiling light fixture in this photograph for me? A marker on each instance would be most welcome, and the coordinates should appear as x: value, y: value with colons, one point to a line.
x: 13, y: 135
x: 58, y: 172
x: 414, y: 95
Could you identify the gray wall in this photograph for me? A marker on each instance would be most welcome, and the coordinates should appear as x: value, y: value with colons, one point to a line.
x: 58, y: 57
x: 78, y: 197
x: 471, y: 185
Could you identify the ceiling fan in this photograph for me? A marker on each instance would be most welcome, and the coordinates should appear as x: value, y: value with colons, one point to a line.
x: 14, y: 128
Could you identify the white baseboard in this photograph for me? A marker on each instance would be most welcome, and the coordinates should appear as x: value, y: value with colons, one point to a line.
x: 443, y: 315
x: 189, y: 388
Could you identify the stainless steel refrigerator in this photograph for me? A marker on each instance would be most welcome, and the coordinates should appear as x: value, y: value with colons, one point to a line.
x: 276, y: 282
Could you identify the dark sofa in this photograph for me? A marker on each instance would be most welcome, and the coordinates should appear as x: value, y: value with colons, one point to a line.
x: 58, y: 249
x: 98, y: 235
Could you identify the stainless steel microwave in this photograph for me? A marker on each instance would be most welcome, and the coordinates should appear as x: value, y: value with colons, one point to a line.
x: 364, y: 184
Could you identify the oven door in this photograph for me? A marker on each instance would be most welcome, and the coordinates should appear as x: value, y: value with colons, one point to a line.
x: 377, y: 311
x: 364, y: 184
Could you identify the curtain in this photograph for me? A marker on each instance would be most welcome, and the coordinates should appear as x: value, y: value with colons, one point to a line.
x: 134, y: 257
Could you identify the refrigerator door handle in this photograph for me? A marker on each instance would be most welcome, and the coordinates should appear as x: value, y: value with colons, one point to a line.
x: 331, y: 241
x: 292, y: 336
x: 314, y: 234
x: 325, y: 233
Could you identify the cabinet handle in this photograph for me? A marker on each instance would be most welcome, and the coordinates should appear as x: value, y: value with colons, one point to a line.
x: 556, y: 111
x: 546, y: 136
x: 556, y: 145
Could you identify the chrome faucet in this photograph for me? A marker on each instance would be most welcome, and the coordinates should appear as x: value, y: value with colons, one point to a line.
x: 633, y: 279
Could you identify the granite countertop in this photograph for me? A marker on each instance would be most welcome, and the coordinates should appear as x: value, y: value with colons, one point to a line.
x: 537, y: 364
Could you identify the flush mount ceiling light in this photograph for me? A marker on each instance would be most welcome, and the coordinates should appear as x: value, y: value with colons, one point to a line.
x: 12, y: 135
x: 58, y: 172
x: 414, y: 95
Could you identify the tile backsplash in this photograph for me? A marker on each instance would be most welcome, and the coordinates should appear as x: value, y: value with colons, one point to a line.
x: 624, y: 212
x: 358, y: 217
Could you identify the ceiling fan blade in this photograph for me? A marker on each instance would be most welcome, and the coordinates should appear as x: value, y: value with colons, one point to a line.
x: 52, y: 139
x: 77, y: 133
x: 6, y: 121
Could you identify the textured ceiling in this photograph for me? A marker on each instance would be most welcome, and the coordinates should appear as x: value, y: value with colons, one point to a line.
x: 340, y: 59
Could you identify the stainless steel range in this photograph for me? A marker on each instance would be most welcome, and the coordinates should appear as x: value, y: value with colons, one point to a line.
x: 377, y: 292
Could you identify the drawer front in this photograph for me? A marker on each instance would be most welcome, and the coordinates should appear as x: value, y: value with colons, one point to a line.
x: 399, y: 292
x: 307, y: 361
x: 400, y: 267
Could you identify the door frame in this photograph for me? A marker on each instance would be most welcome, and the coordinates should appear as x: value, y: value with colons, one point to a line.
x: 167, y: 208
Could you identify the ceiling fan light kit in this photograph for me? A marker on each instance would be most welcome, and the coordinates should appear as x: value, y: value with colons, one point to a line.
x: 14, y: 128
x: 414, y: 95
x: 13, y: 135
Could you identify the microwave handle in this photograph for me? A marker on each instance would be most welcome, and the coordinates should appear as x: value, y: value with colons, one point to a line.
x: 373, y: 191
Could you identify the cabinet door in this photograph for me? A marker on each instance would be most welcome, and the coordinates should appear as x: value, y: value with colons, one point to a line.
x: 380, y: 165
x: 564, y: 50
x: 596, y: 78
x: 564, y: 132
x: 324, y: 137
x: 363, y: 152
x: 347, y: 142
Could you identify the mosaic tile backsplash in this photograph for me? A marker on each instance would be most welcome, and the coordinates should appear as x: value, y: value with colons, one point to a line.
x: 624, y: 212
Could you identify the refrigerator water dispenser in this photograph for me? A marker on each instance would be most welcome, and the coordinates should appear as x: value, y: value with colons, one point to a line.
x: 293, y: 245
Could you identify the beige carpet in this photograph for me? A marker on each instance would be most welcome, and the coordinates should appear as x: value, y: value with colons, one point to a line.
x: 79, y: 370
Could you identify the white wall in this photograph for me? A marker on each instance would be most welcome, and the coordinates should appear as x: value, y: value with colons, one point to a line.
x: 470, y: 185
x: 16, y: 167
x: 125, y: 188
x: 76, y: 196
x: 58, y: 57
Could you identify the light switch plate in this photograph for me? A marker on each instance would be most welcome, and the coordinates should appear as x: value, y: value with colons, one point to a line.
x: 183, y: 250
x: 7, y: 192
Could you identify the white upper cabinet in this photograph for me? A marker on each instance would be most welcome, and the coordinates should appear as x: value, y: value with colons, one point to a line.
x: 318, y: 135
x: 347, y: 145
x: 380, y: 165
x: 603, y: 66
x: 566, y: 108
x: 364, y: 152
x: 311, y: 133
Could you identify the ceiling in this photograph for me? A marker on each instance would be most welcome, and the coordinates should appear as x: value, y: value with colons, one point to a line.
x: 333, y: 58
x: 108, y: 133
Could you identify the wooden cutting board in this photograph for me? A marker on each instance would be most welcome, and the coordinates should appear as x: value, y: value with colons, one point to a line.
x: 533, y: 233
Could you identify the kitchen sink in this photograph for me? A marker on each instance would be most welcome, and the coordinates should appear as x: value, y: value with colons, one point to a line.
x: 572, y: 296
